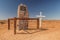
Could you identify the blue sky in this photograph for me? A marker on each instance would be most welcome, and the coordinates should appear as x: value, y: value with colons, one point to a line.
x: 50, y: 8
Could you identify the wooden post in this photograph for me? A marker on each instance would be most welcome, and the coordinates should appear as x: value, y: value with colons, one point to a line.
x: 15, y: 25
x: 37, y: 23
x: 8, y: 24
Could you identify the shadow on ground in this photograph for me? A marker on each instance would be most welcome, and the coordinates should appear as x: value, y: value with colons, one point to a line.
x: 31, y: 31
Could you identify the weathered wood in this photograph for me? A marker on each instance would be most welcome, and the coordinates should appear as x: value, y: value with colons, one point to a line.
x: 8, y: 24
x: 14, y: 25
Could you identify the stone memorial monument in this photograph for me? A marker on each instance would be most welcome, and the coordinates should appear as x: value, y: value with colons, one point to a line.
x: 22, y: 13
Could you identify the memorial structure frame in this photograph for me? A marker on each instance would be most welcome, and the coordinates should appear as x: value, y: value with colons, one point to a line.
x: 15, y: 22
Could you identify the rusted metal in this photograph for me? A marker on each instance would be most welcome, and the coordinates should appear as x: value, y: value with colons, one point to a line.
x: 38, y: 24
x: 15, y: 25
x: 8, y: 24
x: 24, y: 18
x: 21, y: 19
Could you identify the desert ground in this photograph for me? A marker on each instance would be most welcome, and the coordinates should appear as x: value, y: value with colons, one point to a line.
x: 50, y: 31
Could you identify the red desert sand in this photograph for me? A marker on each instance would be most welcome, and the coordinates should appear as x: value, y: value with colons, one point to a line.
x: 50, y: 31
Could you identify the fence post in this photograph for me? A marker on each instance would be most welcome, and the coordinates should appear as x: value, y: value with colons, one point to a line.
x: 37, y: 23
x: 8, y: 24
x: 15, y: 25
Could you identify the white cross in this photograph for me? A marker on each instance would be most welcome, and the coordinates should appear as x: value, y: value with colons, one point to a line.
x: 40, y: 19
